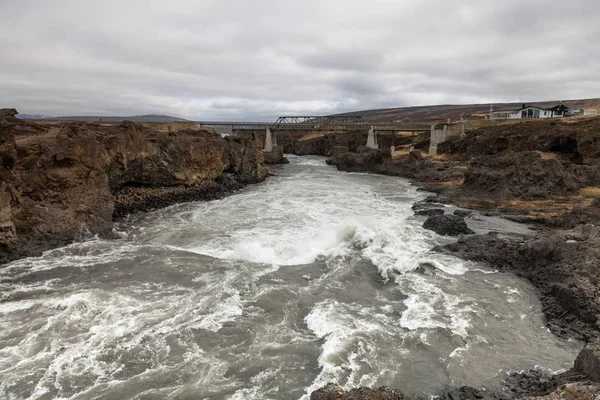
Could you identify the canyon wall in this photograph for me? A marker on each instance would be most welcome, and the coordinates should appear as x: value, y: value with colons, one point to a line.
x: 59, y: 182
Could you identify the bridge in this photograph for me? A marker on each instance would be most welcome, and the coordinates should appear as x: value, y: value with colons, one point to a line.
x: 333, y: 123
x: 318, y: 124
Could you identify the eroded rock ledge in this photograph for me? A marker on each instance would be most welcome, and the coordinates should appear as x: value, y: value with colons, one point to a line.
x: 545, y: 173
x: 61, y: 180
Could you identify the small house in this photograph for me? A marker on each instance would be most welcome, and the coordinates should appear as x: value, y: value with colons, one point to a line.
x: 531, y: 111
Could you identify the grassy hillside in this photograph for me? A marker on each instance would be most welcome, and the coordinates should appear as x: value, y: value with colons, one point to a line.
x: 454, y: 111
x: 136, y: 118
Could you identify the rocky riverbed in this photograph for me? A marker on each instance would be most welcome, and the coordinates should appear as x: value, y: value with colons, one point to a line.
x: 64, y: 181
x: 539, y: 172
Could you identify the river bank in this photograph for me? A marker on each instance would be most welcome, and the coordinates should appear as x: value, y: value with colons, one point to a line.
x: 63, y: 178
x: 334, y: 281
x: 64, y: 181
x: 543, y: 173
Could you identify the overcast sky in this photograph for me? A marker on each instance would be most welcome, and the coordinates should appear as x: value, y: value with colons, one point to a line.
x: 256, y: 60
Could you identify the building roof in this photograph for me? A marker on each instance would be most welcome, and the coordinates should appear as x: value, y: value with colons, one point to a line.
x: 548, y: 106
x: 540, y: 106
x: 510, y: 108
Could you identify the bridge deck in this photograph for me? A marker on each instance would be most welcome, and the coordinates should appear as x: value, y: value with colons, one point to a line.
x: 317, y: 123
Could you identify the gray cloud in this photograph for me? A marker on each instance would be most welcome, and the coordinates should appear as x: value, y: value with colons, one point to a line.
x: 256, y: 60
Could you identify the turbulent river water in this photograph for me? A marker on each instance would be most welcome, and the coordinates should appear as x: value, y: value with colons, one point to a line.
x: 313, y: 276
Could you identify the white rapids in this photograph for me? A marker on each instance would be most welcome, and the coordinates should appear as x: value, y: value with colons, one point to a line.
x: 313, y: 276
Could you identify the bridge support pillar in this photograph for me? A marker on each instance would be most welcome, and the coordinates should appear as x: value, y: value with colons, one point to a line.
x: 372, y: 139
x: 268, y: 140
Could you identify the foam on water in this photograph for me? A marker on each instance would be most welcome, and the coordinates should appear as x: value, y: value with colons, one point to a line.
x: 313, y: 276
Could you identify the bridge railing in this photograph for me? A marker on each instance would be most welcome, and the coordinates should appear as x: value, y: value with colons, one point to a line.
x: 318, y: 123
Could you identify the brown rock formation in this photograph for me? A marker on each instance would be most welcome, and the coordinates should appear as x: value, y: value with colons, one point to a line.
x: 525, y: 175
x: 61, y: 181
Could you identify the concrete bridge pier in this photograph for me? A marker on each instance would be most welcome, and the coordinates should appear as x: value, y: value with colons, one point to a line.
x: 268, y: 140
x: 372, y: 138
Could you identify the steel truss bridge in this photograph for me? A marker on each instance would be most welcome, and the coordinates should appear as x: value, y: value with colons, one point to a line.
x: 319, y: 123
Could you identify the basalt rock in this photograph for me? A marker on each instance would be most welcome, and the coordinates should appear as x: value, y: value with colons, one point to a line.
x: 578, y: 142
x: 588, y: 361
x: 577, y: 216
x: 413, y: 165
x: 463, y: 213
x: 334, y: 392
x: 74, y: 179
x: 325, y: 143
x: 8, y: 113
x: 524, y: 175
x: 563, y: 265
x: 448, y: 225
x: 469, y: 393
x: 430, y: 212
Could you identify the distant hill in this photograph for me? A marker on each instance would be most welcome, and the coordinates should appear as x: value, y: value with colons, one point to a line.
x: 33, y: 116
x: 135, y: 118
x: 454, y: 111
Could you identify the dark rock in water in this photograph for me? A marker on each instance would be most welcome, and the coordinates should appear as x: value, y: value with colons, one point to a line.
x: 562, y: 265
x: 427, y: 269
x: 425, y: 206
x: 432, y: 189
x: 430, y: 212
x: 463, y: 213
x: 448, y: 225
x: 413, y: 165
x: 527, y: 219
x: 588, y: 361
x: 529, y: 383
x: 469, y: 393
x: 526, y: 384
x: 334, y: 392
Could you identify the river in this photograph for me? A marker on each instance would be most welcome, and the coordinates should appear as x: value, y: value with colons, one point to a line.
x: 312, y: 276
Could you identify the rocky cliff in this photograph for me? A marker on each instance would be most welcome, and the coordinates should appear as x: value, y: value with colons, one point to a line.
x: 550, y: 170
x: 62, y: 181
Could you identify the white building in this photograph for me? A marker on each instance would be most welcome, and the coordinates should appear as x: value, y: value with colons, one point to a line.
x: 531, y: 111
x: 583, y: 111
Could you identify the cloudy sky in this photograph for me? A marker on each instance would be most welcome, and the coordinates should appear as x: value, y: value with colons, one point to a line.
x: 258, y: 59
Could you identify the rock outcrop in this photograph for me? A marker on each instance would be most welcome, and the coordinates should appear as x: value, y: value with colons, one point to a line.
x: 563, y: 265
x: 588, y: 361
x: 8, y: 113
x: 334, y: 392
x: 62, y: 181
x: 413, y: 165
x: 524, y: 175
x: 447, y: 225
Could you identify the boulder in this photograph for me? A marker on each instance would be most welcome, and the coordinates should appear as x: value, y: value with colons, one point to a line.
x: 463, y: 213
x: 334, y: 392
x: 588, y: 361
x: 430, y: 212
x: 447, y: 225
x: 469, y: 393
